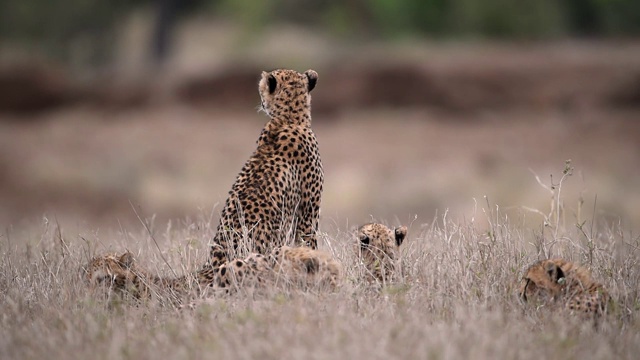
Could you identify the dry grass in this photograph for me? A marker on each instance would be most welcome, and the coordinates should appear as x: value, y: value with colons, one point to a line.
x: 455, y: 297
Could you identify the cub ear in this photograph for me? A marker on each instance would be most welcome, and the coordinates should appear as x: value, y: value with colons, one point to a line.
x: 312, y: 76
x: 554, y: 271
x: 523, y: 292
x: 126, y: 260
x: 364, y: 240
x: 311, y: 265
x: 272, y: 83
x: 560, y: 276
x: 401, y: 233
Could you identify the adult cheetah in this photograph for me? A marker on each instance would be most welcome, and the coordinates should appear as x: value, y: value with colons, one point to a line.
x: 557, y: 281
x: 275, y: 199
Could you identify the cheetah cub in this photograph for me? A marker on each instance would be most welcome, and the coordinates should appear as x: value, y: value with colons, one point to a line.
x: 557, y: 281
x: 302, y: 267
x: 378, y: 248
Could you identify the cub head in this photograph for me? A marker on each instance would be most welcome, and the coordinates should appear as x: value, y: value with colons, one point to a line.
x: 106, y: 268
x: 378, y: 246
x: 544, y: 280
x: 114, y: 272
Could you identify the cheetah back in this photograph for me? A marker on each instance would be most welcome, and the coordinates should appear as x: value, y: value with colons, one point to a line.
x: 278, y: 191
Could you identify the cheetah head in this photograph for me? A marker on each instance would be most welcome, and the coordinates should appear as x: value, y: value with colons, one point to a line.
x: 550, y: 280
x: 543, y: 280
x: 285, y: 93
x: 378, y: 246
x: 113, y: 272
x: 106, y: 268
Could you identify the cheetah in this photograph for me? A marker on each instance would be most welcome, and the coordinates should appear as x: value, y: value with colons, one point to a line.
x: 275, y: 199
x: 297, y: 267
x: 566, y: 283
x: 378, y: 249
x: 120, y: 274
x: 306, y: 267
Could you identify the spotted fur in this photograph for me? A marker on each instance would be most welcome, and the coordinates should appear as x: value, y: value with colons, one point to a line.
x: 305, y: 266
x: 121, y: 275
x: 557, y: 281
x: 378, y: 248
x: 275, y: 199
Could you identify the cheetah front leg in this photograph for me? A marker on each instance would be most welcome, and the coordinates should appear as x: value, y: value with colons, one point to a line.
x: 307, y: 228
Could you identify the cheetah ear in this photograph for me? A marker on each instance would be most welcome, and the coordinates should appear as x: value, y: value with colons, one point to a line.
x: 560, y: 276
x: 312, y: 76
x: 272, y: 83
x: 401, y: 233
x: 126, y: 260
x: 311, y: 265
x: 523, y: 293
x: 364, y: 240
x: 555, y: 272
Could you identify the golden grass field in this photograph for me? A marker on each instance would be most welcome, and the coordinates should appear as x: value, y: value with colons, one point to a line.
x: 76, y: 178
x: 455, y: 298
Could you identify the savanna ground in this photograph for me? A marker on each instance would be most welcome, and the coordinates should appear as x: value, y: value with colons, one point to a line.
x: 461, y: 175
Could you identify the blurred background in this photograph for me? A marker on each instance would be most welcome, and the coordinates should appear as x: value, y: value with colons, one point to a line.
x: 422, y: 106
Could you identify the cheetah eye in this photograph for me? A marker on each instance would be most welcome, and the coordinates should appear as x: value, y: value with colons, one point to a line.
x: 272, y: 84
x: 106, y: 279
x: 551, y: 272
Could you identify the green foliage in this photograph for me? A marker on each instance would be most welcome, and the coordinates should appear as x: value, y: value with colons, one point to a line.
x: 250, y: 13
x: 615, y: 17
x: 84, y: 30
x: 505, y: 18
x: 337, y: 19
x: 475, y: 18
x: 391, y: 16
x: 63, y: 27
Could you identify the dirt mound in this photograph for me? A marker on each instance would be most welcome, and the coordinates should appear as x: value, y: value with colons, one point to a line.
x: 494, y: 80
x: 504, y: 85
x: 28, y: 88
x: 31, y: 88
x: 236, y: 87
